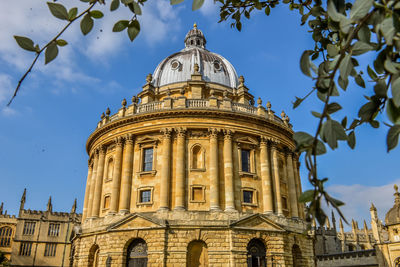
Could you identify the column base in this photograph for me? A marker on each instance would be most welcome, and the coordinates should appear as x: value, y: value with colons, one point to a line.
x: 124, y: 212
x: 163, y: 209
x: 215, y: 209
x: 111, y: 213
x: 180, y: 208
x: 230, y: 209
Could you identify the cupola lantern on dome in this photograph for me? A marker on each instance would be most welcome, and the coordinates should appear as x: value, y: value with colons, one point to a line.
x: 180, y: 66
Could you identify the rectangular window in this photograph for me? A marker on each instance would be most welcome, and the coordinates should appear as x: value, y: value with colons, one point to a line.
x: 148, y: 159
x: 29, y: 228
x: 50, y: 250
x: 245, y: 160
x: 107, y: 200
x: 25, y: 249
x: 284, y: 203
x: 145, y: 196
x: 54, y: 229
x: 248, y: 196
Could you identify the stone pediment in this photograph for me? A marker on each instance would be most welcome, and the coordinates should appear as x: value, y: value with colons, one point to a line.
x: 136, y: 221
x: 257, y: 222
x: 247, y: 140
x: 147, y: 139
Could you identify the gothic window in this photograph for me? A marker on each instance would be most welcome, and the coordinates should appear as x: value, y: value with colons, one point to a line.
x: 145, y: 196
x: 50, y: 250
x: 54, y: 229
x: 25, y: 249
x: 197, y: 157
x: 107, y: 200
x: 256, y: 253
x: 5, y: 236
x: 137, y: 254
x: 197, y: 254
x: 110, y: 169
x: 148, y: 159
x: 197, y: 193
x: 249, y: 197
x: 296, y: 256
x: 29, y: 228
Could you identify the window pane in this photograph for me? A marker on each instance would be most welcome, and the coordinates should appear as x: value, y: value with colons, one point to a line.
x: 247, y: 196
x: 245, y: 160
x: 145, y: 196
x: 148, y: 159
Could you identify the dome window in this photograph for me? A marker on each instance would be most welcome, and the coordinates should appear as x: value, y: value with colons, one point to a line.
x: 175, y: 64
x: 217, y: 65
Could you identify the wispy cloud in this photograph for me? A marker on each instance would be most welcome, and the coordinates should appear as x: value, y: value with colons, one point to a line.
x: 5, y: 94
x: 358, y: 199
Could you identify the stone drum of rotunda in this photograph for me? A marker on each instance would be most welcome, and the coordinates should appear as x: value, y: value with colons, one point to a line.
x: 193, y: 173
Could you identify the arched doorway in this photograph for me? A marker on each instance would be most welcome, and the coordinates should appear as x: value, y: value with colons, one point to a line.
x: 94, y: 256
x: 256, y: 253
x: 296, y: 254
x: 137, y: 254
x: 197, y: 254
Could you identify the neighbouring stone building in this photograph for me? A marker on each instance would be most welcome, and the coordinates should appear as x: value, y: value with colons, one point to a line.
x: 192, y: 173
x: 38, y: 238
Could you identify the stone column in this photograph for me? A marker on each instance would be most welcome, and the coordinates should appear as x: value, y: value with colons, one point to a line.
x: 180, y: 166
x: 214, y: 171
x: 87, y: 191
x: 228, y: 170
x: 165, y: 170
x: 277, y: 179
x: 126, y: 181
x: 99, y: 182
x: 294, y: 212
x: 92, y: 183
x: 116, y: 183
x: 266, y: 179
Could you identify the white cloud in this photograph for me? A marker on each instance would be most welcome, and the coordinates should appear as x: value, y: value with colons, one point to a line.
x: 358, y: 199
x: 6, y: 91
x: 210, y: 9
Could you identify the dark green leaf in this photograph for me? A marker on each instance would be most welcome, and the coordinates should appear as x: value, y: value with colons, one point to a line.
x: 332, y: 50
x: 58, y: 10
x: 380, y: 88
x: 360, y: 9
x: 305, y: 63
x: 302, y: 138
x: 136, y: 8
x: 267, y: 10
x: 127, y: 2
x: 360, y: 81
x: 344, y: 122
x: 86, y: 24
x: 333, y: 107
x: 133, y: 30
x: 238, y: 25
x: 345, y: 67
x: 96, y: 14
x: 361, y: 48
x: 25, y: 43
x: 388, y: 30
x: 297, y: 102
x: 51, y: 52
x: 120, y: 25
x: 316, y: 114
x: 332, y: 12
x: 306, y: 196
x: 343, y: 83
x: 389, y: 66
x: 372, y: 73
x: 197, y: 4
x: 396, y: 92
x: 367, y: 111
x: 393, y: 112
x: 364, y: 34
x: 392, y: 138
x: 61, y: 42
x: 345, y: 25
x: 351, y: 140
x: 72, y: 13
x: 115, y: 5
x: 175, y: 2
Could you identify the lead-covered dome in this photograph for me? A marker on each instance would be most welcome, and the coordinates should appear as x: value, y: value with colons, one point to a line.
x: 180, y: 66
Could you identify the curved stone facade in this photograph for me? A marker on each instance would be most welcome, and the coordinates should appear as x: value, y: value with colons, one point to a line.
x: 193, y: 174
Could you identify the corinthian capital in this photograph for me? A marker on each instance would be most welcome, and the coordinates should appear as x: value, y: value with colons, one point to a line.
x: 166, y: 132
x: 181, y: 131
x: 228, y: 134
x: 119, y: 141
x: 213, y: 132
x: 102, y: 149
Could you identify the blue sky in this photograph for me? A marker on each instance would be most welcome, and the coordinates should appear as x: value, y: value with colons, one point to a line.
x: 43, y: 133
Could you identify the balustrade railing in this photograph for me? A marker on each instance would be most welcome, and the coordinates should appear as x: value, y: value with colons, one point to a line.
x: 149, y: 107
x: 244, y: 108
x: 197, y: 103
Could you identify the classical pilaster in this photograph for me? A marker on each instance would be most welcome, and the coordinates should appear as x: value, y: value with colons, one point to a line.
x: 165, y: 169
x: 116, y: 182
x: 294, y: 211
x: 214, y: 172
x: 92, y: 183
x: 228, y: 171
x: 277, y: 178
x: 180, y: 166
x: 99, y: 182
x: 126, y: 181
x: 266, y: 178
x: 87, y: 191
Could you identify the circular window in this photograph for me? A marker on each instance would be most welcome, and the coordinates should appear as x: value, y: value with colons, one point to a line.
x: 217, y: 65
x: 175, y: 64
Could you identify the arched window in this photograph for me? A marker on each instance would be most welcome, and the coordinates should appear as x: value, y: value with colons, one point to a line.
x: 94, y: 256
x: 197, y: 157
x: 256, y: 253
x: 197, y: 254
x: 296, y: 255
x: 137, y: 254
x: 5, y: 236
x: 110, y: 169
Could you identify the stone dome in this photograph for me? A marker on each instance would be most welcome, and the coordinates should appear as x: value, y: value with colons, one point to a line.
x: 179, y: 66
x: 393, y: 215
